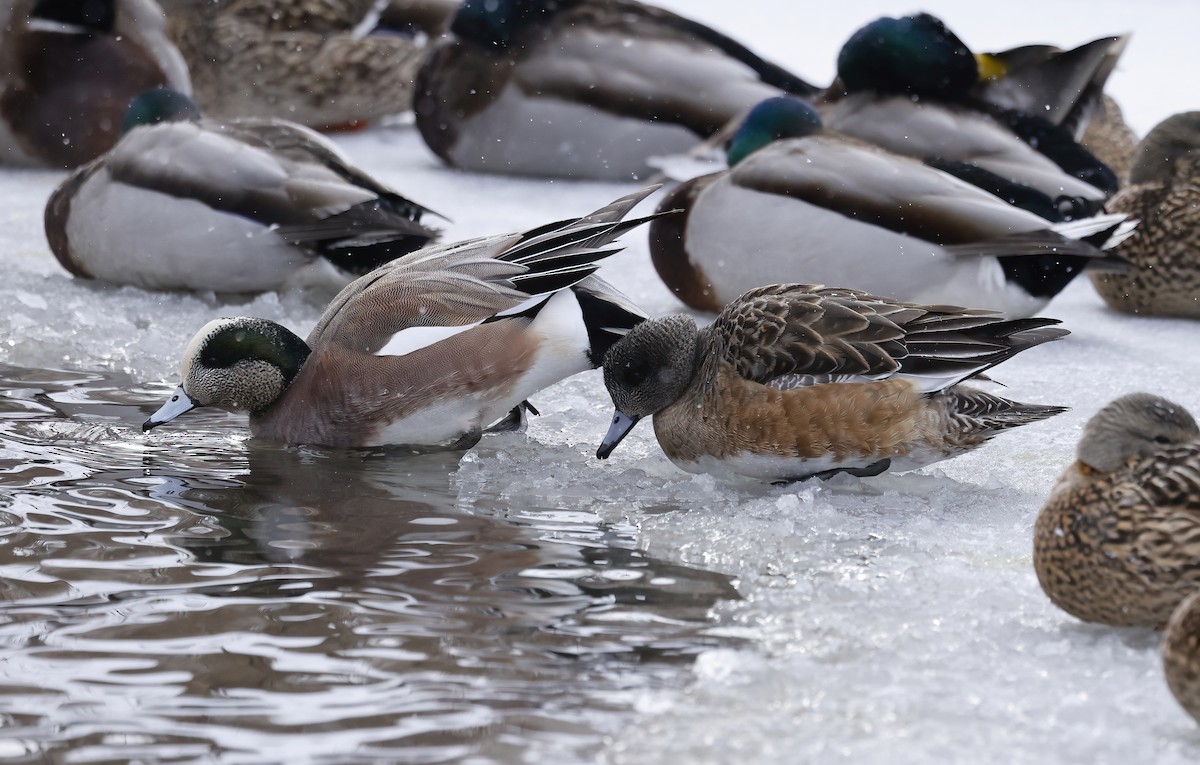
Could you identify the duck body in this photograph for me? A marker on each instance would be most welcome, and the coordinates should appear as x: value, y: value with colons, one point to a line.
x: 794, y: 381
x: 1181, y: 655
x: 838, y: 211
x: 1116, y: 541
x: 586, y: 89
x: 71, y: 69
x: 428, y: 350
x: 244, y: 207
x: 1164, y: 194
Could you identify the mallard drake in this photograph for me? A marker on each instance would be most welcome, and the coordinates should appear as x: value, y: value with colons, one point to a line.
x: 321, y: 64
x: 69, y: 68
x: 1118, y: 541
x: 582, y: 88
x: 428, y: 350
x: 797, y: 380
x: 1181, y: 654
x: 839, y: 211
x: 246, y: 206
x: 1164, y: 193
x: 911, y: 86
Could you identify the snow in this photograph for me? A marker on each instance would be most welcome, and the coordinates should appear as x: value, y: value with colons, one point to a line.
x: 887, y: 620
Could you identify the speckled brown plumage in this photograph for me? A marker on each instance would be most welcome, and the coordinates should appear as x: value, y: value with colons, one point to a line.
x: 1122, y: 546
x: 1164, y: 194
x: 1110, y: 138
x: 1181, y: 655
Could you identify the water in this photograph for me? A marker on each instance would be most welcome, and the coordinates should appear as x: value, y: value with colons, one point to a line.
x: 200, y: 594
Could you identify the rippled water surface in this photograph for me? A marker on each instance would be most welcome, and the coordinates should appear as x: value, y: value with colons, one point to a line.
x: 199, y: 593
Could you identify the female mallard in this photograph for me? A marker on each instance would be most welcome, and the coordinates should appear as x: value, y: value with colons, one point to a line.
x: 1118, y: 541
x: 239, y: 207
x: 1164, y: 194
x: 825, y: 208
x: 1181, y: 654
x: 68, y: 70
x: 427, y: 350
x: 796, y: 380
x: 582, y: 88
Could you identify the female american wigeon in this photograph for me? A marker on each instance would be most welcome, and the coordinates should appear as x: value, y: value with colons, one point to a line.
x: 186, y: 203
x: 319, y: 63
x: 796, y: 380
x: 582, y: 88
x: 427, y: 350
x: 800, y: 203
x: 911, y: 86
x: 69, y: 68
x: 1118, y: 541
x: 1164, y: 193
x: 1181, y: 654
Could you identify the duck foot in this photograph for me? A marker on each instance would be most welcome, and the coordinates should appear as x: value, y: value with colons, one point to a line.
x: 515, y: 420
x: 875, y: 468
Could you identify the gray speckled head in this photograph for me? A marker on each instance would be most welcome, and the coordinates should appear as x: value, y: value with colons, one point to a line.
x: 652, y: 366
x: 1175, y: 138
x: 239, y: 364
x: 1135, y: 425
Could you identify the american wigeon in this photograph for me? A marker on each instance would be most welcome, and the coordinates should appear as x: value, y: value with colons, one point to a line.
x: 427, y: 350
x: 911, y: 86
x: 1164, y: 193
x: 582, y: 88
x: 68, y: 70
x: 1118, y: 541
x: 825, y: 208
x: 318, y: 63
x: 797, y: 380
x: 186, y: 203
x: 1181, y: 654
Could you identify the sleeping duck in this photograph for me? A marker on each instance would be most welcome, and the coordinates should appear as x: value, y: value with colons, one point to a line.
x: 68, y: 70
x: 241, y: 207
x: 801, y: 204
x: 582, y: 88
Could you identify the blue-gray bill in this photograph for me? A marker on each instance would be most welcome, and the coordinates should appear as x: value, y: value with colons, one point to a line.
x: 179, y: 403
x: 620, y: 427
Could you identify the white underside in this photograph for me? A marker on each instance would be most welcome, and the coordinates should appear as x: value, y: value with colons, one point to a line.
x: 769, y: 467
x: 562, y: 351
x: 743, y: 239
x: 127, y: 235
x: 561, y: 139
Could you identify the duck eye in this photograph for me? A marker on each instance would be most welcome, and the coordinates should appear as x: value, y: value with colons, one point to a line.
x: 1161, y: 440
x: 634, y: 375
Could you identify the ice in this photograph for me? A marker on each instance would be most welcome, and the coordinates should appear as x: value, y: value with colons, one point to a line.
x: 887, y: 620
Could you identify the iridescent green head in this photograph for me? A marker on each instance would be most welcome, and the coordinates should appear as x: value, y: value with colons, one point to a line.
x: 771, y: 120
x: 159, y: 105
x: 913, y: 55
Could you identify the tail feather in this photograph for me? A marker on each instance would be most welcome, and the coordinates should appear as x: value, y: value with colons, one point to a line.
x: 981, y: 415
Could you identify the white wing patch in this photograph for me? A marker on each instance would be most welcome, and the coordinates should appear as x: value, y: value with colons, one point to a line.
x: 412, y: 339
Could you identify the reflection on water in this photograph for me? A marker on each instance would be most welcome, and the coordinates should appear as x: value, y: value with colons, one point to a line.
x: 200, y: 594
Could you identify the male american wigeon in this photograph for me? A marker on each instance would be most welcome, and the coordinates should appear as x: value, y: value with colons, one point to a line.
x: 187, y: 203
x: 1181, y: 654
x: 797, y: 380
x: 319, y: 63
x: 912, y: 86
x: 69, y: 68
x: 428, y: 350
x: 801, y: 203
x: 582, y: 88
x: 1118, y: 541
x: 1164, y: 193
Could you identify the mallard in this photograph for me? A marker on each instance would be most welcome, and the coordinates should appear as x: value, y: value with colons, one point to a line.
x: 1164, y: 194
x: 1181, y: 654
x: 835, y: 210
x: 68, y: 70
x: 1118, y: 541
x: 322, y: 64
x: 582, y: 88
x: 912, y: 86
x: 186, y: 203
x: 797, y: 380
x: 428, y: 350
